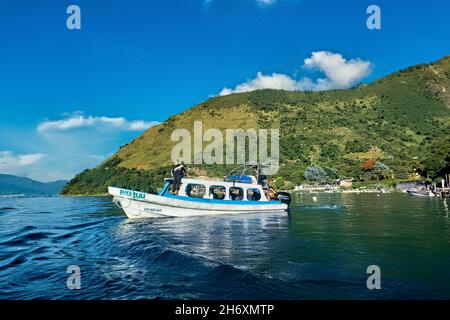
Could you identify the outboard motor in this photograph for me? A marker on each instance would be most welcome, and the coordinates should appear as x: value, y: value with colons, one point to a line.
x: 284, y: 197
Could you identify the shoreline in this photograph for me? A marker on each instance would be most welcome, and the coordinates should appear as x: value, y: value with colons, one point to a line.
x: 349, y: 190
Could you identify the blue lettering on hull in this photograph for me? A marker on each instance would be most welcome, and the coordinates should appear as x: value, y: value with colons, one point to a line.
x: 132, y: 194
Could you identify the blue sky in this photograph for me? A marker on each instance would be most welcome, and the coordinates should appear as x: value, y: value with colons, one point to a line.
x: 70, y: 98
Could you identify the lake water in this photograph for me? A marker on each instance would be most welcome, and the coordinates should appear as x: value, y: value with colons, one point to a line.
x: 319, y: 251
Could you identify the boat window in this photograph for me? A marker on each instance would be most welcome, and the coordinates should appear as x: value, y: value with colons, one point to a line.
x: 195, y: 190
x: 236, y: 193
x: 218, y: 192
x: 253, y: 194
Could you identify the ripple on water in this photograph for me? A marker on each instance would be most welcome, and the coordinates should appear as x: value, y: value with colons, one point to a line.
x: 7, y: 208
x: 172, y: 257
x: 13, y: 262
x: 67, y: 235
x: 82, y: 226
x: 25, y: 238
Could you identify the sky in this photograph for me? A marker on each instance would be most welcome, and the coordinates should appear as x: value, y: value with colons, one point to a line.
x: 70, y: 98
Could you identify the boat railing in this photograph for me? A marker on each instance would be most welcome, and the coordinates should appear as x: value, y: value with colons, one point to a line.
x: 242, y: 171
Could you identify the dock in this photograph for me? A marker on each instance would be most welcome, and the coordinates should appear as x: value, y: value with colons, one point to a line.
x: 444, y: 192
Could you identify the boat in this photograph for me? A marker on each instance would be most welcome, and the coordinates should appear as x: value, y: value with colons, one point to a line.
x: 235, y: 194
x: 421, y: 193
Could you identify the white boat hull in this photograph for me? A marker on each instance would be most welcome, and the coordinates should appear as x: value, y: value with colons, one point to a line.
x: 139, y: 205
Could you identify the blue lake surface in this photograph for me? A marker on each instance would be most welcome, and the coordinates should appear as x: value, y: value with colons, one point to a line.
x: 319, y: 251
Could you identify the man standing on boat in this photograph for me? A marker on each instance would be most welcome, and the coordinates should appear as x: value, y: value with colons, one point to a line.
x: 178, y: 172
x: 260, y: 178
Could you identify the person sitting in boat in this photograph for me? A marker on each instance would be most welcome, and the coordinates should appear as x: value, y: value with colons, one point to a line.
x: 272, y: 194
x: 235, y: 194
x: 178, y: 173
x: 253, y: 195
x: 218, y: 193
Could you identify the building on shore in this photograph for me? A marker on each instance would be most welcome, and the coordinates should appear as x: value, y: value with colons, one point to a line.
x: 348, y: 183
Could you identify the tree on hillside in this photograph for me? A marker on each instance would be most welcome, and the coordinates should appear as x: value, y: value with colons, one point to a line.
x: 315, y: 174
x: 353, y: 146
x: 435, y: 161
x: 382, y: 171
x: 368, y: 164
x: 330, y: 151
x: 332, y: 173
x: 375, y: 170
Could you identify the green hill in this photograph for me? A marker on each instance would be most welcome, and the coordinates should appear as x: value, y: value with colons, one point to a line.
x: 384, y: 130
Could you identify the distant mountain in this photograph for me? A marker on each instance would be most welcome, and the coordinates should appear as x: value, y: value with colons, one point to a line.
x: 376, y: 131
x: 10, y: 184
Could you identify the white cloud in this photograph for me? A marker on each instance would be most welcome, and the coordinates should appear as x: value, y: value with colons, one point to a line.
x: 273, y: 81
x: 9, y: 158
x: 340, y: 73
x: 10, y: 163
x: 141, y: 125
x: 76, y: 120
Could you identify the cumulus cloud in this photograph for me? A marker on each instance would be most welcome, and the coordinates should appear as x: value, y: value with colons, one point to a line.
x: 77, y: 120
x: 11, y: 163
x: 339, y: 72
x: 9, y: 158
x: 262, y: 81
x: 141, y: 125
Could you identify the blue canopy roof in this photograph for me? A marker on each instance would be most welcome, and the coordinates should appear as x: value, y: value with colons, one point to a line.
x: 240, y: 179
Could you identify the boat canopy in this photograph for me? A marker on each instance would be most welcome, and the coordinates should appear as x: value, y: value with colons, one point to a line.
x: 240, y: 179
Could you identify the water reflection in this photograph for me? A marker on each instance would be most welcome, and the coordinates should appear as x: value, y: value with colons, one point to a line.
x: 445, y: 207
x: 224, y: 238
